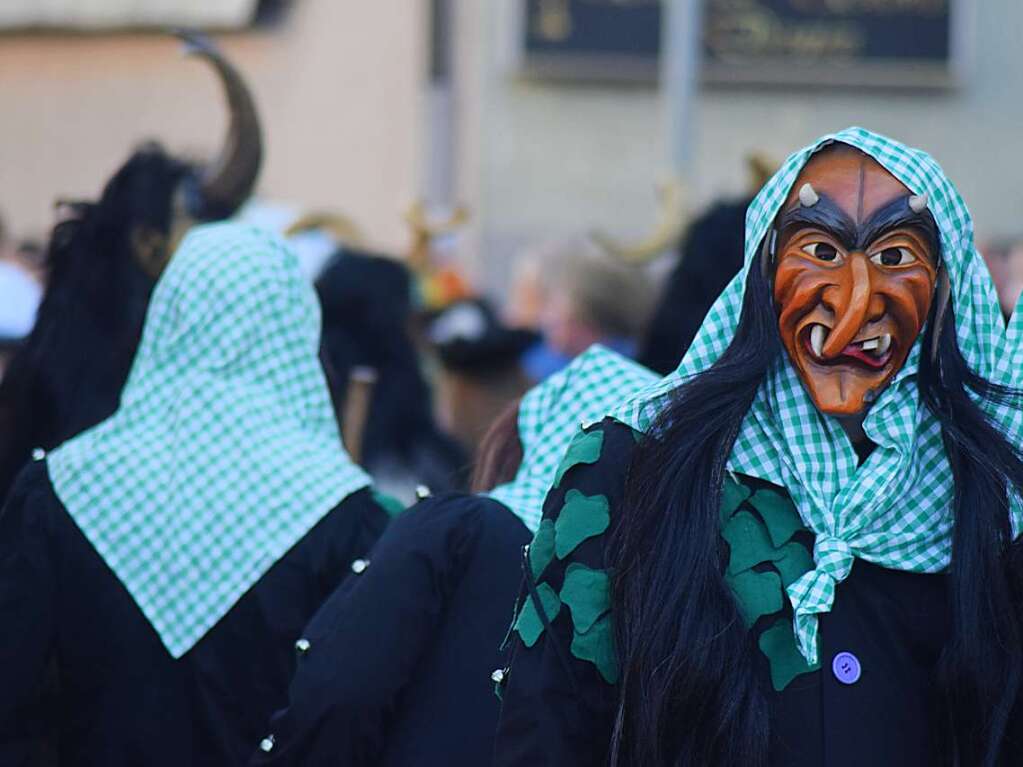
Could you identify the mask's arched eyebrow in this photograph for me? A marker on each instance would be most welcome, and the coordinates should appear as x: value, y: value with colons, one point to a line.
x: 824, y: 215
x: 896, y: 215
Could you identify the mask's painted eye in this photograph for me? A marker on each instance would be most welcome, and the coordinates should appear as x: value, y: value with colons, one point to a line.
x: 821, y: 250
x: 893, y: 257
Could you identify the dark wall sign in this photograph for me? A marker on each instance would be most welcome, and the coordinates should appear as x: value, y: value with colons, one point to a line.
x: 907, y: 43
x: 593, y: 39
x: 827, y: 42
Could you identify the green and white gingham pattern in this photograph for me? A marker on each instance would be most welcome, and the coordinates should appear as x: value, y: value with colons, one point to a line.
x: 225, y: 450
x: 550, y: 415
x: 895, y: 510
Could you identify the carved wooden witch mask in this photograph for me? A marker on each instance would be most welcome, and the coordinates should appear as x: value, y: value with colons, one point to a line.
x: 856, y: 263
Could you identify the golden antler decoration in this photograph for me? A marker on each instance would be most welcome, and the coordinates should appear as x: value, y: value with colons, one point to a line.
x: 669, y: 230
x: 338, y: 226
x: 761, y: 167
x: 424, y: 230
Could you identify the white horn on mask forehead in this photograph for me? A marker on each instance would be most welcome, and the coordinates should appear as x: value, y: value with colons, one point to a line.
x: 808, y: 197
x: 918, y: 203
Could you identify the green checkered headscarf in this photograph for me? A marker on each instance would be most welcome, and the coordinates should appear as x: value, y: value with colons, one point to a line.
x: 225, y: 449
x: 549, y: 418
x: 896, y: 509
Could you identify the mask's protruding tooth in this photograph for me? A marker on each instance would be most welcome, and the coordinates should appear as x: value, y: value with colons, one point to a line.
x: 884, y: 343
x: 808, y: 196
x: 870, y: 343
x: 817, y: 336
x: 918, y: 203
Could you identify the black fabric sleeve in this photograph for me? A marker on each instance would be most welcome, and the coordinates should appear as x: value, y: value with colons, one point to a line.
x: 558, y: 709
x: 368, y: 640
x: 27, y: 598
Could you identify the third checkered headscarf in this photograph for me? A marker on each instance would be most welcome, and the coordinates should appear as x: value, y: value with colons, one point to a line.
x: 896, y: 509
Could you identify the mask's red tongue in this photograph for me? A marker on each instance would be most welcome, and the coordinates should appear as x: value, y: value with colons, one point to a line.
x: 868, y: 359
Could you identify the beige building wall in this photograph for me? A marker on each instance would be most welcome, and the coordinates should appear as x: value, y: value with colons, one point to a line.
x: 342, y: 90
x: 339, y: 85
x: 545, y: 159
x: 555, y: 157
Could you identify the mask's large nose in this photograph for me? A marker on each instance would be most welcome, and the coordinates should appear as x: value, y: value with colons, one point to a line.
x: 850, y: 318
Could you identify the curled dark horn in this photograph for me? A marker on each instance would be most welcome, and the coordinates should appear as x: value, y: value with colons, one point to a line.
x: 224, y: 184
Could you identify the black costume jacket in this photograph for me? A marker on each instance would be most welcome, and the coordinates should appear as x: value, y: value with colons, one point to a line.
x: 121, y: 700
x: 559, y: 709
x: 398, y: 665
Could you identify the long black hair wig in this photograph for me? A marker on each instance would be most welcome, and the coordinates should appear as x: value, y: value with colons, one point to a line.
x: 69, y: 373
x: 687, y: 656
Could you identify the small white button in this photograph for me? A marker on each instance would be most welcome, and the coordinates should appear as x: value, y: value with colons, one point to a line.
x: 497, y: 677
x: 266, y: 745
x: 359, y: 566
x: 423, y: 492
x: 302, y: 646
x: 38, y: 454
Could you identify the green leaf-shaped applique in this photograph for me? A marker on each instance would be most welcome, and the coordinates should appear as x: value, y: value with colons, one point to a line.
x: 582, y: 517
x: 758, y: 594
x: 541, y: 550
x: 733, y: 493
x: 598, y: 647
x: 587, y: 594
x: 749, y: 542
x: 795, y: 562
x: 778, y: 513
x: 778, y: 643
x: 585, y: 448
x: 529, y: 625
x: 388, y: 503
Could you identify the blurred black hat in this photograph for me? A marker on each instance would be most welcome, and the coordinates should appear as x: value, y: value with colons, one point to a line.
x: 469, y: 338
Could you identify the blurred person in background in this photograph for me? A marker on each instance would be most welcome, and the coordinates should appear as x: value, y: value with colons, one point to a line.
x: 1005, y: 261
x: 166, y: 560
x: 20, y: 294
x: 710, y: 255
x: 587, y: 296
x: 525, y: 300
x: 31, y: 254
x: 479, y: 372
x: 399, y: 666
x: 367, y: 314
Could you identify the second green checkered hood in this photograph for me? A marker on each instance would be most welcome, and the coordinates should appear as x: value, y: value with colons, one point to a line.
x: 549, y: 418
x: 896, y: 509
x: 225, y: 449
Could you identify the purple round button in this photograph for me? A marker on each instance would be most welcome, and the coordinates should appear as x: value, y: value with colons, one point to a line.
x: 846, y: 668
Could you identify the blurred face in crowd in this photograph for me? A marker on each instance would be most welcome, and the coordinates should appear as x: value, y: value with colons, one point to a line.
x: 566, y: 329
x: 153, y: 248
x: 527, y: 298
x: 854, y: 278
